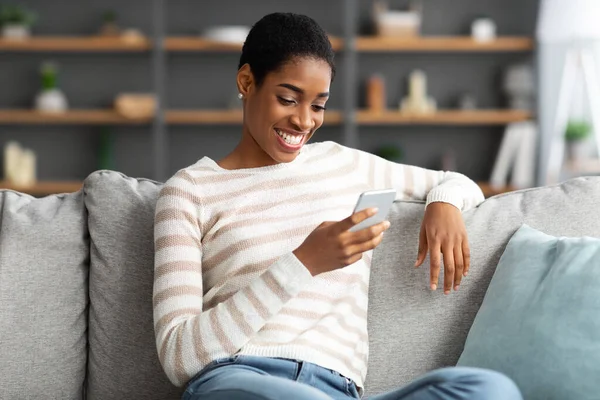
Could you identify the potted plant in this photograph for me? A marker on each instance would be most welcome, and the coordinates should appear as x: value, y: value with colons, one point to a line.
x: 576, y: 137
x: 50, y: 98
x: 16, y: 22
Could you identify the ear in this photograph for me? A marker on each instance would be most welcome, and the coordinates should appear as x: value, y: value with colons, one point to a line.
x: 245, y: 80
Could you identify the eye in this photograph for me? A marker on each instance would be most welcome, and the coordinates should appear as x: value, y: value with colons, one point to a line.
x: 318, y: 108
x: 285, y: 102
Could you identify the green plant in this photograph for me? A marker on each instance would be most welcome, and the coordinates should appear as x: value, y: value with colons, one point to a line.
x: 49, y: 74
x: 577, y: 130
x: 11, y: 14
x: 389, y: 152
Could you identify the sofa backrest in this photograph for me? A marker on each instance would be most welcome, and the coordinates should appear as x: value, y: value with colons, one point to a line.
x: 44, y: 252
x: 413, y: 330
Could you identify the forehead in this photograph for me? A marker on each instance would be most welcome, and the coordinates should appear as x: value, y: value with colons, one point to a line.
x: 307, y: 73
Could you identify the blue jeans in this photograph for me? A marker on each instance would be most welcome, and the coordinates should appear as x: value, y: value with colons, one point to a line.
x: 261, y: 378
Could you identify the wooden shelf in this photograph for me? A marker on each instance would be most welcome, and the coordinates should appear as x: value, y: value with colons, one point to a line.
x: 200, y: 117
x: 44, y: 188
x: 443, y: 44
x: 443, y: 117
x: 75, y: 44
x: 195, y: 43
x: 84, y: 117
x: 489, y: 191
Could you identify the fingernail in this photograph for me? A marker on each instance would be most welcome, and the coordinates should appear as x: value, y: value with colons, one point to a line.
x: 465, y: 273
x: 386, y: 224
x: 373, y: 210
x: 446, y: 292
x: 455, y: 288
x: 433, y: 286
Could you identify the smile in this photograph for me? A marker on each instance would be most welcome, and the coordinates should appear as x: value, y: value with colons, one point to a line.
x: 292, y: 140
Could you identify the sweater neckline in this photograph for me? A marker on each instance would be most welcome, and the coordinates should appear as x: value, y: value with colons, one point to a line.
x: 268, y: 168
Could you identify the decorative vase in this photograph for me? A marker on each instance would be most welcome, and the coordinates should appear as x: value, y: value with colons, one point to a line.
x: 483, y: 30
x: 15, y: 31
x: 578, y: 150
x: 51, y: 100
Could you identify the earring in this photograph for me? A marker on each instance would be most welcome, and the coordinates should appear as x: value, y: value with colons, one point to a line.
x: 240, y: 96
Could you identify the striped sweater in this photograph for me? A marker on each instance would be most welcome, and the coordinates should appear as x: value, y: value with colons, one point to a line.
x: 226, y: 281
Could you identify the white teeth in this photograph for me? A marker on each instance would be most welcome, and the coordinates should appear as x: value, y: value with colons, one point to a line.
x: 289, y: 139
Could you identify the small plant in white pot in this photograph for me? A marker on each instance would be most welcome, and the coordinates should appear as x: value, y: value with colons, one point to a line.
x: 16, y: 22
x: 576, y: 136
x: 51, y: 98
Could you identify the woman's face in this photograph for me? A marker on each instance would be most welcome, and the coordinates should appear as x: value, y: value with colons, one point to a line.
x: 283, y: 113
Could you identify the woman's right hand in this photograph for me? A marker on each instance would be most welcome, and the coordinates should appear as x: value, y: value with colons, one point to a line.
x: 332, y: 245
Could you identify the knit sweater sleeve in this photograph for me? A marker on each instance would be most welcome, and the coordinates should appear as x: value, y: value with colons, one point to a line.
x: 189, y: 336
x: 416, y: 183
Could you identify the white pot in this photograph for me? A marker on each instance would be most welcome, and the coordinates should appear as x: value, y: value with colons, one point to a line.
x: 52, y: 100
x: 15, y: 31
x: 483, y: 30
x: 578, y: 150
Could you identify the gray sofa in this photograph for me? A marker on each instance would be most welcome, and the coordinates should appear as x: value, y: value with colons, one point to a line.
x: 76, y: 283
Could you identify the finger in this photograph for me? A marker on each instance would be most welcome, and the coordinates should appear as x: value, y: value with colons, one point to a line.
x: 364, y: 235
x: 466, y: 252
x: 434, y: 259
x: 459, y: 266
x: 360, y: 248
x: 422, y: 252
x: 356, y: 218
x: 449, y: 268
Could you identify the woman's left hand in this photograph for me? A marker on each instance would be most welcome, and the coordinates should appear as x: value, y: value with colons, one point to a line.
x: 443, y: 232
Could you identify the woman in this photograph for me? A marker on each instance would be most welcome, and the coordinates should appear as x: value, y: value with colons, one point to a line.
x: 255, y: 297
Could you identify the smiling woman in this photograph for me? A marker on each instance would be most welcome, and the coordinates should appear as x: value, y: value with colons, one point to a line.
x: 261, y: 284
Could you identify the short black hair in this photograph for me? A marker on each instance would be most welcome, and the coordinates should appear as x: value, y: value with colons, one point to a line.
x: 279, y: 38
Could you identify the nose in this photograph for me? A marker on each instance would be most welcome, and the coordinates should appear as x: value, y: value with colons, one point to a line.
x: 302, y: 119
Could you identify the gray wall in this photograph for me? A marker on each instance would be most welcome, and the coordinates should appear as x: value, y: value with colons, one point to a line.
x: 206, y: 80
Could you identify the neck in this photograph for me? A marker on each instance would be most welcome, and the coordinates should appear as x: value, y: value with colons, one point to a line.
x: 247, y: 154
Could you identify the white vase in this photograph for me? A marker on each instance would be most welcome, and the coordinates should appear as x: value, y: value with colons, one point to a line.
x: 578, y: 150
x: 15, y: 32
x: 483, y: 30
x: 52, y: 100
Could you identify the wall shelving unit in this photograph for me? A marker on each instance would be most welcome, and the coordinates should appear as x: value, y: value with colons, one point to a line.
x: 350, y: 117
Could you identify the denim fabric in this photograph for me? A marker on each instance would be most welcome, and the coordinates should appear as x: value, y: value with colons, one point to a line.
x: 261, y: 378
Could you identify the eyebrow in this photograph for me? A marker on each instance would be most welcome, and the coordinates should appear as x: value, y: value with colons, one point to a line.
x: 298, y: 90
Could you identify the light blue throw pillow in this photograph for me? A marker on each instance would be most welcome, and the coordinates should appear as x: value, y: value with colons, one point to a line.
x: 540, y: 319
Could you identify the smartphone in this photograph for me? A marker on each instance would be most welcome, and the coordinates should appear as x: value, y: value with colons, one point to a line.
x: 381, y: 199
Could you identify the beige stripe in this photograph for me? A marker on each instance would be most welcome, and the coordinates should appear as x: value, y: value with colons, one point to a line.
x: 256, y: 268
x: 239, y: 318
x: 268, y: 185
x: 222, y: 337
x: 247, y: 244
x: 275, y: 287
x: 350, y: 300
x: 172, y: 214
x: 428, y: 181
x: 199, y: 348
x: 174, y: 291
x: 176, y: 241
x: 409, y: 185
x: 177, y: 266
x: 372, y: 176
x: 212, y: 235
x: 316, y: 317
x: 179, y: 366
x: 300, y: 199
x: 317, y: 328
x: 218, y: 177
x: 168, y: 318
x: 179, y: 192
x: 256, y: 303
x: 388, y: 181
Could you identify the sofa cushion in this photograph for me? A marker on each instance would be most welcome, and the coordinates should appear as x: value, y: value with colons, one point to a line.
x: 123, y: 361
x: 413, y: 330
x: 43, y: 296
x: 538, y: 323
